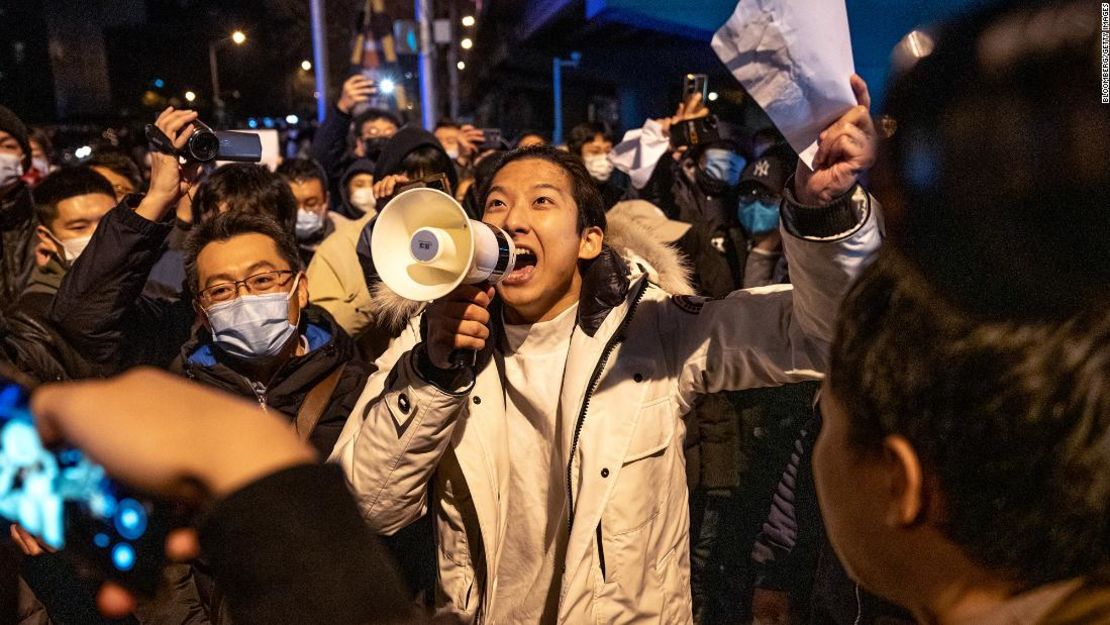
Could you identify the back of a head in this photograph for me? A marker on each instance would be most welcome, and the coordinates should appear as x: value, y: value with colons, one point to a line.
x: 66, y: 183
x: 1010, y: 419
x: 591, y: 208
x: 995, y: 179
x: 244, y: 188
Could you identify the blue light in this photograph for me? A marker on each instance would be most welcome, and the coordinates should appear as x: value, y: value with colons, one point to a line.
x: 159, y: 83
x: 123, y: 557
x: 252, y: 123
x: 268, y: 122
x: 130, y: 519
x: 101, y: 540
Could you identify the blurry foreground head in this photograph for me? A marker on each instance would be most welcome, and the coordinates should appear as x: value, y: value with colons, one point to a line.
x: 965, y: 447
x: 995, y: 180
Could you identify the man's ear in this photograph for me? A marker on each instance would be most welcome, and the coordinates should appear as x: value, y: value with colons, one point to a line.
x: 590, y: 243
x: 302, y: 291
x: 904, y: 482
x: 202, y: 316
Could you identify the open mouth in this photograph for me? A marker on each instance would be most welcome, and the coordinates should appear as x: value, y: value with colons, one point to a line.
x: 523, y: 269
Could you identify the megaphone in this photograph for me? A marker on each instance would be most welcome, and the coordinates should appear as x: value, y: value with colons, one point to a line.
x: 424, y: 245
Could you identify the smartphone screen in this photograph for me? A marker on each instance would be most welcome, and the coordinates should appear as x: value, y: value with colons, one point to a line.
x: 68, y: 501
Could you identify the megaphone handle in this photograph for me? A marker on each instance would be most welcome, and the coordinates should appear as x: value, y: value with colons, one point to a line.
x: 464, y: 359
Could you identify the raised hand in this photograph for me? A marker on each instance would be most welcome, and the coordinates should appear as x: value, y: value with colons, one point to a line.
x: 845, y: 149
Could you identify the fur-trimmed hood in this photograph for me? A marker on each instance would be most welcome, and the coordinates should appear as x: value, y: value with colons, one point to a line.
x: 662, y: 264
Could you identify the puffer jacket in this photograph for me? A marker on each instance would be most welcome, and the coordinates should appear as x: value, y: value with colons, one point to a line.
x: 638, y: 357
x: 328, y: 348
x: 17, y: 243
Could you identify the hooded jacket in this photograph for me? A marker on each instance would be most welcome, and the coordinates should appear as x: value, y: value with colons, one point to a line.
x: 359, y: 166
x: 328, y: 348
x: 408, y: 139
x: 637, y: 359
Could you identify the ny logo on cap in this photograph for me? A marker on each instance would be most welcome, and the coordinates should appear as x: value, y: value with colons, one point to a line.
x: 762, y: 168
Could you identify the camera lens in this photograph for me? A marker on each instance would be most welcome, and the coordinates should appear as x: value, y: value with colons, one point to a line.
x: 204, y: 145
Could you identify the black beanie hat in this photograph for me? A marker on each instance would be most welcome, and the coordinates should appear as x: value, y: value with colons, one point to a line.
x: 11, y: 124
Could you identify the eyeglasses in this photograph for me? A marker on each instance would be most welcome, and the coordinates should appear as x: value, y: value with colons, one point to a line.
x: 258, y: 284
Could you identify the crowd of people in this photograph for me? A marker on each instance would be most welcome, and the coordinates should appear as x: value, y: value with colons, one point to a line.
x: 718, y: 386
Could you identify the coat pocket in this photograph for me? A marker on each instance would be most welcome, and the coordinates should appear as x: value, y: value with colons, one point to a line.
x: 637, y: 498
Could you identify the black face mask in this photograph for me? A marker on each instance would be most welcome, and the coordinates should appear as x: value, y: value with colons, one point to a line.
x: 373, y: 147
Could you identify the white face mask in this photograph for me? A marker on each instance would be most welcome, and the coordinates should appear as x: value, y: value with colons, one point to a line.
x: 599, y: 166
x: 453, y: 153
x: 253, y: 326
x: 72, y: 248
x: 363, y: 199
x: 308, y: 223
x: 11, y: 168
x: 41, y: 165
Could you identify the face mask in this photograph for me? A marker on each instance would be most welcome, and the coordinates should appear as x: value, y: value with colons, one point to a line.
x: 363, y: 199
x: 759, y: 217
x: 724, y: 165
x: 308, y: 223
x: 72, y: 248
x: 373, y: 147
x: 40, y: 165
x: 599, y: 167
x: 253, y: 326
x: 11, y: 168
x: 453, y: 153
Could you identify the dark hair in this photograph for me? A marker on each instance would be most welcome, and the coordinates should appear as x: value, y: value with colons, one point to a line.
x: 66, y: 183
x: 300, y: 169
x: 996, y: 119
x: 43, y: 139
x: 119, y: 164
x: 531, y: 133
x: 447, y: 123
x: 591, y: 208
x: 428, y: 160
x: 227, y: 225
x: 1012, y: 418
x: 584, y: 133
x: 370, y: 115
x: 243, y: 188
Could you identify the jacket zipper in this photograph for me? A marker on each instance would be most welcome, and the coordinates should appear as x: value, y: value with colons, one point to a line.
x: 617, y: 339
x: 259, y: 393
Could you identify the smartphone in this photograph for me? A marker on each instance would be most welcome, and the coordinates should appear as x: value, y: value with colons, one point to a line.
x: 69, y: 503
x: 695, y: 83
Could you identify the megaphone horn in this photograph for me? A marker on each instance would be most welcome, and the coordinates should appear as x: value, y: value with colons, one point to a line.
x: 424, y: 246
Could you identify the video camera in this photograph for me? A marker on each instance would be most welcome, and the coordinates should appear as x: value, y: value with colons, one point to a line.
x: 206, y: 145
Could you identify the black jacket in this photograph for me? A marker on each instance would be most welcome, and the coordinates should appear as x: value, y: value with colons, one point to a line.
x: 717, y: 244
x: 17, y: 243
x: 329, y: 148
x: 329, y: 347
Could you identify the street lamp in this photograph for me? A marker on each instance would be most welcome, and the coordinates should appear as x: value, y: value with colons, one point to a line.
x: 190, y: 96
x: 306, y: 65
x: 467, y: 43
x: 237, y: 37
x: 468, y: 21
x: 461, y: 65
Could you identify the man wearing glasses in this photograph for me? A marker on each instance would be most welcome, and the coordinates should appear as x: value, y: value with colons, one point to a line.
x: 245, y: 324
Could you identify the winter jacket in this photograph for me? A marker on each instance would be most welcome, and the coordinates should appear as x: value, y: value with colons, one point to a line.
x: 329, y: 148
x: 328, y: 348
x: 99, y: 307
x: 793, y: 552
x: 307, y: 247
x: 335, y: 278
x: 637, y: 359
x: 17, y: 242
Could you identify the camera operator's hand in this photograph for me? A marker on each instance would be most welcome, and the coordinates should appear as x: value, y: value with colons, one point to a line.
x: 469, y: 140
x: 169, y: 179
x: 845, y: 149
x: 458, y: 321
x: 387, y: 186
x: 356, y: 90
x: 28, y: 544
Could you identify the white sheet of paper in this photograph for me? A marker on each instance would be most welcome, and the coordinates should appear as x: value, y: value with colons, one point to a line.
x: 639, y: 151
x: 794, y: 57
